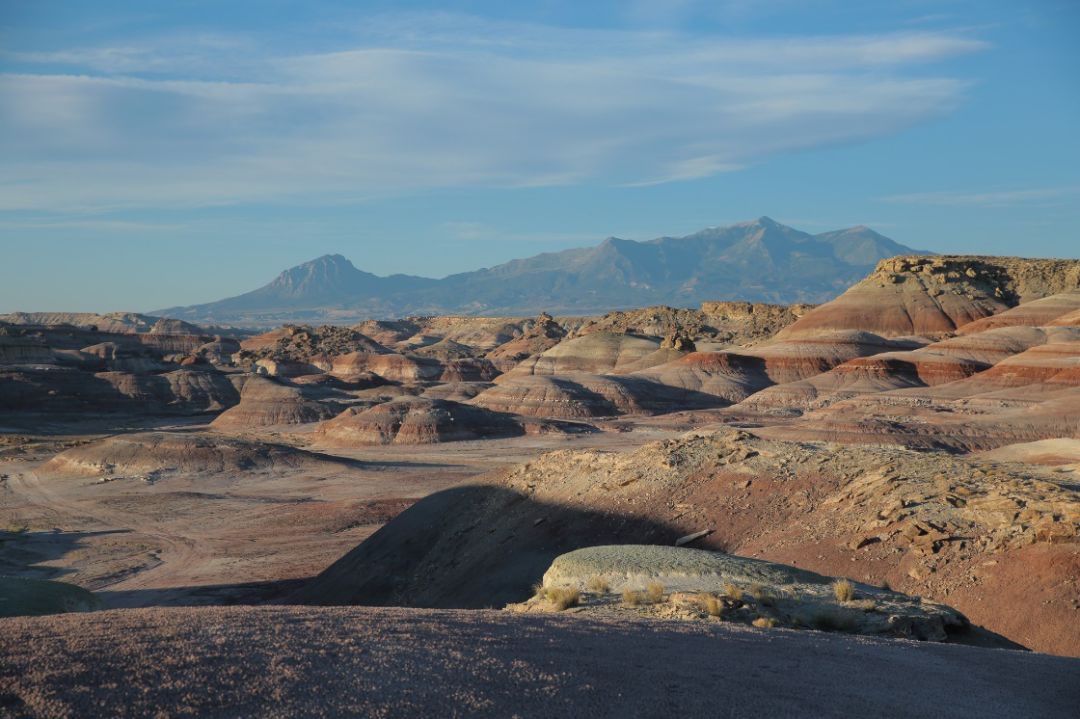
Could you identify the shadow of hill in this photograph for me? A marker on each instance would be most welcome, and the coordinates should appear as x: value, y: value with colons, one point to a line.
x: 23, y: 554
x: 240, y: 593
x: 470, y: 547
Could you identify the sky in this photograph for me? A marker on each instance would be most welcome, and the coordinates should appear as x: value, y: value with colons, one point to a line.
x: 169, y: 153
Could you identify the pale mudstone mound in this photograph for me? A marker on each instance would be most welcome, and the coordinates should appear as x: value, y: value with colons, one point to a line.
x: 417, y: 420
x: 751, y: 589
x: 113, y: 322
x: 600, y: 352
x: 579, y: 394
x: 265, y: 403
x: 151, y: 454
x: 631, y: 566
x: 391, y: 367
x: 1060, y: 452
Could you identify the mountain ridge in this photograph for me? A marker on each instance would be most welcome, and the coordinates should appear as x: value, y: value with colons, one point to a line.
x: 758, y: 260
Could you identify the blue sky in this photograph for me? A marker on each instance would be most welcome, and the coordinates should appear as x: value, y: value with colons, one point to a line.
x: 162, y: 153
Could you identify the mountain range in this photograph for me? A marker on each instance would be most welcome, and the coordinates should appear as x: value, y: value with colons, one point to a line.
x: 761, y: 260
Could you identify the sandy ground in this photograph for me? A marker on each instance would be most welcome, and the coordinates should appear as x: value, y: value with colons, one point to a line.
x: 336, y: 662
x: 231, y: 537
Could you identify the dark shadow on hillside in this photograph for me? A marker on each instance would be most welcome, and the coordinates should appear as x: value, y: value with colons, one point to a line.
x: 23, y: 553
x: 241, y: 593
x: 470, y: 547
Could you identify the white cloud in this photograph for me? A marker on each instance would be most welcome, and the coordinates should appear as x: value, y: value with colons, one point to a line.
x: 443, y: 101
x: 997, y: 198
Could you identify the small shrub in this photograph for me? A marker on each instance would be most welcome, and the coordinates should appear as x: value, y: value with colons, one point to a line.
x: 538, y: 590
x: 764, y: 622
x: 866, y: 605
x: 843, y: 590
x: 563, y: 597
x: 632, y: 598
x: 732, y: 592
x: 654, y: 592
x: 598, y: 585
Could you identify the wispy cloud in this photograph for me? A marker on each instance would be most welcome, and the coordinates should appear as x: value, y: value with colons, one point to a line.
x: 104, y: 225
x: 996, y: 198
x: 442, y: 101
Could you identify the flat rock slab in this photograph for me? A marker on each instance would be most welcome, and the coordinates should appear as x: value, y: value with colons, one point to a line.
x: 358, y: 661
x: 680, y: 568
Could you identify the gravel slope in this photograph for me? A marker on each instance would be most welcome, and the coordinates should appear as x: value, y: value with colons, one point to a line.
x: 332, y: 662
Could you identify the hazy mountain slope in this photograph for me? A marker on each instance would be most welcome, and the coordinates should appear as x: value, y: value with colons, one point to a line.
x: 326, y: 281
x: 761, y: 260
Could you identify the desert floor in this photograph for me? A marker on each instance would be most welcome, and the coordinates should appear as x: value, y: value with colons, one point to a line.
x: 243, y: 536
x: 334, y: 662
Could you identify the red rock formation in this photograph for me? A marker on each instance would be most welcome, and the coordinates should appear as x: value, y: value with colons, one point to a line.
x: 601, y: 352
x: 933, y: 296
x: 416, y: 420
x: 1037, y: 313
x: 265, y: 403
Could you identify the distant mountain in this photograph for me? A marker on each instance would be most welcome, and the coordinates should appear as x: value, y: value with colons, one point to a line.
x: 762, y: 261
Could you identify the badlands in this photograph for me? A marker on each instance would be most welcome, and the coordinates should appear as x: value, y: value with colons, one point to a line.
x: 785, y: 510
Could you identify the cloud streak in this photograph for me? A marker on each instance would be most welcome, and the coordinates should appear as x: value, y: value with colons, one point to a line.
x: 997, y: 198
x: 442, y: 101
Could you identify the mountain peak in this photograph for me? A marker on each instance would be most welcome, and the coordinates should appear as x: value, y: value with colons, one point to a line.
x: 758, y: 260
x: 334, y: 260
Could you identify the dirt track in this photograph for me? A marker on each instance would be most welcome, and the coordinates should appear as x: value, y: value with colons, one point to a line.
x: 333, y: 662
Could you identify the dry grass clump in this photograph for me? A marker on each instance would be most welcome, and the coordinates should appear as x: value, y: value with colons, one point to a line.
x: 843, y: 590
x: 732, y: 592
x: 764, y: 622
x: 711, y: 604
x: 866, y: 605
x: 563, y: 597
x: 762, y: 595
x: 652, y: 594
x: 598, y: 585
